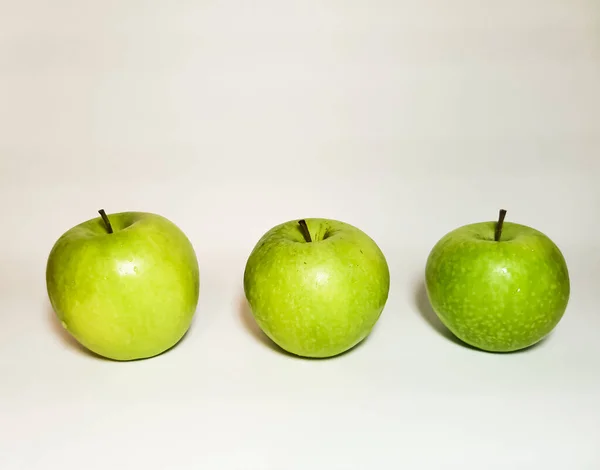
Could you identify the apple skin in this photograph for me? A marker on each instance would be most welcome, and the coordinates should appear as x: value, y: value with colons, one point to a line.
x: 321, y: 298
x: 127, y: 295
x: 498, y: 296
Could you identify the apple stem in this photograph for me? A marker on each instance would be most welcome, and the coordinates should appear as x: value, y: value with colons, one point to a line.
x: 498, y: 233
x: 106, y: 220
x: 305, y: 230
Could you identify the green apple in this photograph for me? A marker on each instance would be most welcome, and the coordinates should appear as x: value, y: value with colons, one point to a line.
x: 125, y: 286
x: 498, y: 286
x: 316, y: 287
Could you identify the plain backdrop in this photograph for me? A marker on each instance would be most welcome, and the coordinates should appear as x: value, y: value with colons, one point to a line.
x: 404, y: 118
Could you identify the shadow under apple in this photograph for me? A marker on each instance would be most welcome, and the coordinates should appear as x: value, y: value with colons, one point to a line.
x: 424, y: 308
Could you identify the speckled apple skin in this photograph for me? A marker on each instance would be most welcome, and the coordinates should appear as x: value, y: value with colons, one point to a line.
x: 498, y: 296
x: 316, y: 299
x: 127, y: 295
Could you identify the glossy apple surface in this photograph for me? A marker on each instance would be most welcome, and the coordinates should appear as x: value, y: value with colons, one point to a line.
x: 501, y: 295
x: 126, y: 295
x: 321, y: 297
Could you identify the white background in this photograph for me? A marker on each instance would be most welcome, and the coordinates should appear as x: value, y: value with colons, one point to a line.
x: 405, y: 118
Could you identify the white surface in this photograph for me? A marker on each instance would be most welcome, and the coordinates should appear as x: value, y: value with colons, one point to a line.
x: 405, y: 118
